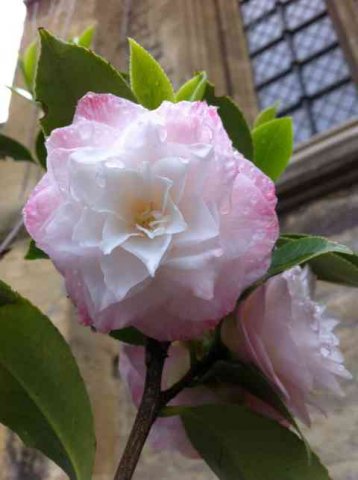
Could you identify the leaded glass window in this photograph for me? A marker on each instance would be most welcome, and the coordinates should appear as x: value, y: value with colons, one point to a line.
x: 297, y: 60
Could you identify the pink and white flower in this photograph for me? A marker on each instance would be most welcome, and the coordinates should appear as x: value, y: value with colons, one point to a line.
x: 281, y: 330
x: 152, y: 217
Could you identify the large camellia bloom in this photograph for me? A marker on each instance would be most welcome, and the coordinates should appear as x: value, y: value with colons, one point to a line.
x: 152, y: 217
x: 289, y: 337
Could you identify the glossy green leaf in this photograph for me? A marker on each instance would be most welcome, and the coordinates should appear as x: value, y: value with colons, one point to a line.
x: 239, y: 445
x: 126, y: 77
x: 42, y: 395
x: 129, y: 335
x: 28, y: 63
x: 193, y: 89
x: 233, y: 121
x: 273, y: 145
x: 148, y: 80
x: 336, y: 267
x: 35, y: 253
x: 302, y: 250
x: 10, y: 148
x: 252, y: 380
x: 85, y: 39
x: 266, y: 115
x: 65, y: 73
x: 41, y: 152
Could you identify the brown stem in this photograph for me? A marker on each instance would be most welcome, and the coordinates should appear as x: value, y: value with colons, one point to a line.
x: 196, y: 371
x: 154, y: 399
x: 148, y: 410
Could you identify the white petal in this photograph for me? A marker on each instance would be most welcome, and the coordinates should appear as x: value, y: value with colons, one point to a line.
x: 201, y: 150
x: 122, y: 271
x: 100, y: 294
x: 115, y: 232
x: 176, y: 224
x: 187, y: 261
x: 174, y: 169
x: 85, y: 180
x: 201, y: 224
x: 88, y: 231
x: 124, y: 188
x: 143, y: 140
x: 149, y: 250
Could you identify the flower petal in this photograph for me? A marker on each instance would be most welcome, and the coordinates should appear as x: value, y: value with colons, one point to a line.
x: 107, y: 109
x: 122, y: 271
x: 149, y: 250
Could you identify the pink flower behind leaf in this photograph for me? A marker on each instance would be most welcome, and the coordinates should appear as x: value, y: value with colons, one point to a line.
x: 152, y: 217
x: 167, y: 433
x: 281, y: 330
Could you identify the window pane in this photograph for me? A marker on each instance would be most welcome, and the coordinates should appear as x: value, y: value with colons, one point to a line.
x: 264, y: 32
x: 299, y: 12
x: 254, y: 9
x: 314, y: 38
x: 272, y: 62
x: 335, y: 107
x: 302, y: 125
x: 325, y: 71
x: 287, y: 90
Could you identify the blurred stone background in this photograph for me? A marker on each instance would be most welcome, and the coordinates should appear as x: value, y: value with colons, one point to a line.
x: 318, y: 194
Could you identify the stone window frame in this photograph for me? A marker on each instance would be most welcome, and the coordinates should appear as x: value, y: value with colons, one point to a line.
x: 327, y: 161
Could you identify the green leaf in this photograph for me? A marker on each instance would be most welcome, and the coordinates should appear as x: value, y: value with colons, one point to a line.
x: 42, y: 395
x: 193, y: 89
x: 34, y: 253
x: 86, y: 37
x: 148, y: 80
x: 334, y: 267
x: 65, y: 73
x: 126, y: 77
x: 266, y: 115
x: 252, y: 380
x: 240, y: 445
x: 302, y: 250
x: 41, y: 152
x: 273, y: 145
x: 28, y: 63
x: 14, y: 149
x: 233, y: 120
x: 129, y: 335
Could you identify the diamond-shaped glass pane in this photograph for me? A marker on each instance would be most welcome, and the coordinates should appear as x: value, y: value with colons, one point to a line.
x: 287, y: 90
x: 264, y: 32
x: 301, y: 11
x: 335, y: 107
x: 302, y: 125
x: 272, y: 62
x: 255, y: 9
x: 314, y: 38
x: 325, y: 71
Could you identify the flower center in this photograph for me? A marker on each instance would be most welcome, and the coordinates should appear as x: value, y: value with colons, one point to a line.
x: 148, y: 219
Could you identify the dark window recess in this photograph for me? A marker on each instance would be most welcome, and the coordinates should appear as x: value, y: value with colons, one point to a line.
x: 297, y: 61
